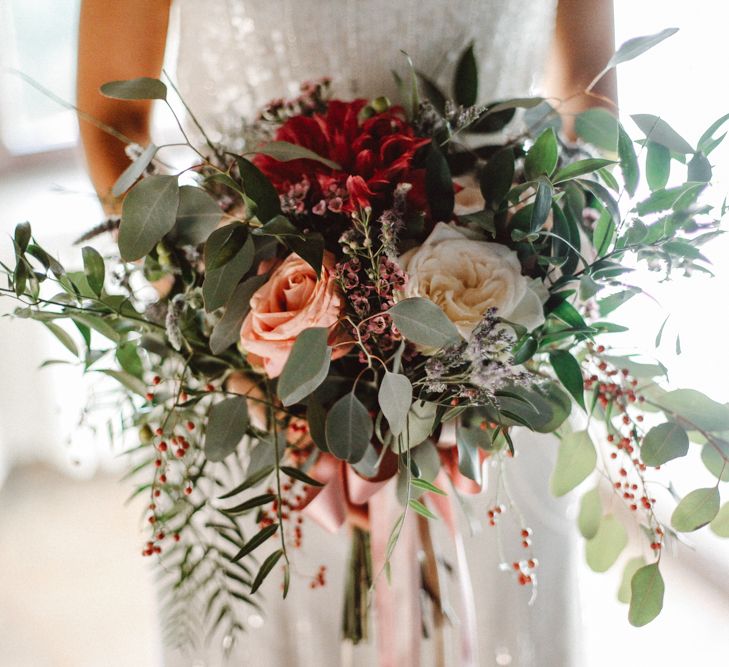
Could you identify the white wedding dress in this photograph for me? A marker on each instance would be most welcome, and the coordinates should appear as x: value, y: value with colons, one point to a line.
x: 234, y: 56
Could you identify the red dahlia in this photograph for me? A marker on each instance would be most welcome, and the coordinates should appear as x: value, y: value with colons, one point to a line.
x: 375, y: 155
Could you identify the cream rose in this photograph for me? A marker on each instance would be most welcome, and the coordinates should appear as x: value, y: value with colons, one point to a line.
x: 291, y: 300
x: 466, y: 276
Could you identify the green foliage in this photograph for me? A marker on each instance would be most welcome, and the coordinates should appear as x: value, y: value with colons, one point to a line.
x: 307, y: 366
x: 134, y: 171
x: 395, y: 397
x: 638, y: 45
x: 631, y: 567
x: 348, y: 429
x: 229, y: 254
x: 227, y: 424
x: 696, y: 510
x: 664, y: 443
x: 424, y: 323
x: 659, y: 131
x: 608, y: 543
x: 198, y: 215
x: 265, y: 570
x: 698, y: 410
x: 285, y: 151
x: 497, y: 177
x: 720, y: 523
x: 465, y: 90
x: 590, y: 514
x: 259, y: 192
x: 576, y: 459
x: 567, y: 369
x: 439, y: 184
x: 142, y: 88
x: 227, y: 330
x: 541, y: 160
x: 148, y: 213
x: 646, y: 595
x: 598, y: 127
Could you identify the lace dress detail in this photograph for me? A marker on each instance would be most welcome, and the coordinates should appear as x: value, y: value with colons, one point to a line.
x: 237, y: 55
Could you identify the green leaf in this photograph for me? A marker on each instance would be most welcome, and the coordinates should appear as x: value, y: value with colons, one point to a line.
x: 224, y: 244
x: 609, y: 541
x: 316, y: 418
x: 696, y: 408
x: 421, y: 421
x: 256, y: 541
x: 664, y: 443
x: 614, y: 301
x: 22, y: 236
x: 576, y: 459
x: 598, y: 127
x: 198, y: 216
x: 220, y: 283
x: 227, y: 424
x: 699, y: 169
x: 497, y: 177
x: 259, y: 190
x: 227, y: 330
x: 284, y: 151
x: 569, y: 373
x: 433, y: 93
x: 250, y: 504
x: 465, y: 85
x: 97, y: 324
x: 720, y: 523
x: 542, y: 156
x: 254, y: 478
x: 63, y: 336
x: 696, y: 510
x: 658, y: 130
x: 306, y: 367
x: 657, y: 165
x: 646, y: 595
x: 425, y: 485
x: 439, y: 185
x: 715, y: 456
x: 128, y: 381
x: 580, y: 168
x: 542, y: 204
x: 148, y: 213
x: 422, y: 322
x: 525, y: 349
x: 280, y: 227
x: 628, y: 161
x: 395, y: 397
x: 662, y: 200
x: 301, y: 476
x: 265, y: 570
x: 638, y: 45
x: 566, y: 312
x: 631, y: 567
x: 707, y: 138
x: 128, y: 358
x: 93, y: 269
x: 130, y: 175
x: 142, y: 88
x: 348, y: 429
x: 588, y: 520
x: 602, y: 236
x: 421, y: 509
x: 310, y: 249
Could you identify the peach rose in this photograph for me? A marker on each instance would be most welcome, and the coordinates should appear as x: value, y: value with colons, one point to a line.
x: 292, y: 300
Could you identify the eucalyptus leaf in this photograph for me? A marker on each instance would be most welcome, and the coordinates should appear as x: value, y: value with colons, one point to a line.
x: 148, y: 213
x: 588, y: 520
x: 220, y: 283
x: 720, y: 523
x: 715, y: 456
x: 422, y: 322
x: 306, y: 367
x: 631, y: 567
x: 142, y: 88
x: 664, y: 443
x: 469, y: 459
x: 603, y: 550
x: 646, y: 595
x: 227, y: 330
x: 576, y: 459
x: 696, y: 510
x: 130, y: 175
x: 284, y: 151
x: 598, y: 127
x: 395, y: 396
x: 198, y: 216
x: 637, y: 46
x: 227, y: 424
x: 658, y: 130
x: 348, y: 429
x: 699, y: 410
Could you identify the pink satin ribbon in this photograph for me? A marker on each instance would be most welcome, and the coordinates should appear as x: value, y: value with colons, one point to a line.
x: 345, y: 495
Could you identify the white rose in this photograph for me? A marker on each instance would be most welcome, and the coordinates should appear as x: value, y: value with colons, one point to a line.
x: 466, y: 276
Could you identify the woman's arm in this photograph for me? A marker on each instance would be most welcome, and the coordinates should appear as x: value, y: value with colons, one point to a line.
x: 118, y: 39
x: 583, y: 43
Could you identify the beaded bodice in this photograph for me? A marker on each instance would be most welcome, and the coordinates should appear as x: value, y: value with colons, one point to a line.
x: 236, y: 55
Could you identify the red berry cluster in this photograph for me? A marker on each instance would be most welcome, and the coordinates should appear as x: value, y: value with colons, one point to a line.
x: 293, y: 499
x: 525, y: 571
x: 319, y: 580
x: 618, y: 394
x: 494, y: 512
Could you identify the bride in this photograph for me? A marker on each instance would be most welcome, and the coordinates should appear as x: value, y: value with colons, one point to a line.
x: 236, y: 55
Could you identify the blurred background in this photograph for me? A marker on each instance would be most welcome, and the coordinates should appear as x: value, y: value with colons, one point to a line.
x: 73, y: 588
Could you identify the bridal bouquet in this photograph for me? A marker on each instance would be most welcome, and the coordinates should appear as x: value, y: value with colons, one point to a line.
x: 366, y: 301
